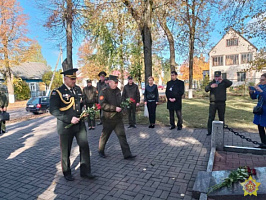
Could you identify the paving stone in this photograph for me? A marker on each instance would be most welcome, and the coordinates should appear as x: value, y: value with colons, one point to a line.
x: 162, y: 161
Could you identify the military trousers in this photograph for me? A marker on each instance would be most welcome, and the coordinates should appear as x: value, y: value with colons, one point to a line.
x: 118, y: 127
x: 220, y: 107
x: 2, y: 125
x: 65, y: 145
x: 91, y: 120
x: 132, y: 114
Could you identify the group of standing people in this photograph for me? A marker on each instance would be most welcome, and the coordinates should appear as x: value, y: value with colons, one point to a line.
x: 174, y: 93
x: 67, y: 102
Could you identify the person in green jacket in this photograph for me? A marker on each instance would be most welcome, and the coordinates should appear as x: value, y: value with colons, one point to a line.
x: 3, y: 108
x: 110, y: 101
x: 66, y: 106
x: 217, y: 89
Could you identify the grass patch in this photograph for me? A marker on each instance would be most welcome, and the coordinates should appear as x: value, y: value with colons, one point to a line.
x: 238, y: 114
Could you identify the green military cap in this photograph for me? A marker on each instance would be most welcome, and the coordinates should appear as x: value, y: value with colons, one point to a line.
x: 71, y: 73
x: 113, y: 78
x: 217, y: 73
x: 102, y: 73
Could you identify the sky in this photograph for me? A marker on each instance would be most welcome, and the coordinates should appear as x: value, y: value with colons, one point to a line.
x: 50, y: 48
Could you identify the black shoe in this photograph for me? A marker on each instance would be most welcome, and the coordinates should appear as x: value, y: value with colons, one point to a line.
x: 261, y: 146
x: 3, y: 131
x: 90, y: 128
x: 130, y: 157
x: 100, y: 123
x: 150, y: 126
x: 69, y: 177
x: 130, y: 126
x: 179, y: 128
x: 101, y: 154
x: 88, y: 176
x: 172, y: 127
x: 208, y: 134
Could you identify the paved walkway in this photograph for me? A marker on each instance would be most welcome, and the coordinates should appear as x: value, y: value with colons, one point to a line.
x: 230, y: 160
x: 166, y: 166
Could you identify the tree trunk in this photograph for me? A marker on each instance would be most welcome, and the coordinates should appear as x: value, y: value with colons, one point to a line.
x: 69, y: 21
x: 121, y: 39
x: 8, y: 72
x: 10, y: 86
x: 147, y: 47
x: 144, y: 23
x: 191, y: 54
x: 171, y: 42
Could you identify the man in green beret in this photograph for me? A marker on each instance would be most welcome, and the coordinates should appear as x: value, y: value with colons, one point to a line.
x: 110, y: 100
x: 65, y: 105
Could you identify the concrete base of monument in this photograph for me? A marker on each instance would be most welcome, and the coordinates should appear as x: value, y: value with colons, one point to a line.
x: 205, y: 180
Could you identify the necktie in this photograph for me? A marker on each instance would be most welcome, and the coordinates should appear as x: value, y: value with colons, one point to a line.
x: 72, y: 91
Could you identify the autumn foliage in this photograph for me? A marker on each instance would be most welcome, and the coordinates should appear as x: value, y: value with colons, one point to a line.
x: 199, y: 65
x: 13, y: 39
x: 90, y: 68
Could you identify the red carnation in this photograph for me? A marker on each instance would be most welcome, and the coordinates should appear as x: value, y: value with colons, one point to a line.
x: 98, y: 106
x: 132, y: 100
x: 253, y: 172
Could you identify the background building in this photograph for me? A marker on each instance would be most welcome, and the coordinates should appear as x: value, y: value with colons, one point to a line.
x: 231, y: 55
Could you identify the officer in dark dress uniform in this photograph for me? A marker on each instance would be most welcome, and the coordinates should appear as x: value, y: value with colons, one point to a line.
x: 65, y: 105
x: 110, y: 101
x: 217, y: 89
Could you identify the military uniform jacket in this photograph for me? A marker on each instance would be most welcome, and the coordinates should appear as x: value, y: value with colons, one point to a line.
x: 218, y: 94
x: 64, y: 105
x: 109, y: 100
x: 174, y: 89
x: 3, y: 100
x: 89, y: 95
x: 131, y: 91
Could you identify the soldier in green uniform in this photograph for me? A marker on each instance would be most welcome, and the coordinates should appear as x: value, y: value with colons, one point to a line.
x: 217, y: 89
x: 110, y: 101
x: 65, y: 105
x: 3, y: 108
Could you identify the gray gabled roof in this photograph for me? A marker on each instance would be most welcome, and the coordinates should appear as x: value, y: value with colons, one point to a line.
x: 30, y: 70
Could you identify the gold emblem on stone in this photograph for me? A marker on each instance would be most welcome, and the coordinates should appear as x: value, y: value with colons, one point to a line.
x: 250, y: 186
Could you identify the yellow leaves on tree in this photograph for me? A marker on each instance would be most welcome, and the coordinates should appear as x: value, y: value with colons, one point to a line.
x: 199, y: 65
x: 90, y: 68
x: 13, y: 39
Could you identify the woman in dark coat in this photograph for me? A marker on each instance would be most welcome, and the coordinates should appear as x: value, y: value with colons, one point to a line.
x: 151, y: 99
x: 259, y: 92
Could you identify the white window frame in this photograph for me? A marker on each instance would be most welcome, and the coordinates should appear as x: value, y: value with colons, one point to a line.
x: 217, y: 61
x: 32, y: 87
x: 230, y: 58
x: 241, y: 76
x: 232, y: 42
x: 246, y: 58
